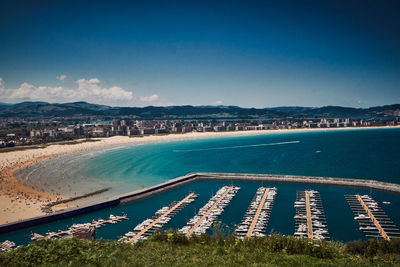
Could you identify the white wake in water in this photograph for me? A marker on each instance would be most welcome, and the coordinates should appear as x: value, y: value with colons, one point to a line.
x: 234, y: 147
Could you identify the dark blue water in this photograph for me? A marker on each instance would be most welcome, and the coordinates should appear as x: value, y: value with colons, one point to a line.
x: 368, y: 154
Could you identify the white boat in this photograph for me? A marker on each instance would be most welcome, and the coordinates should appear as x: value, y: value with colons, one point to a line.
x: 361, y: 217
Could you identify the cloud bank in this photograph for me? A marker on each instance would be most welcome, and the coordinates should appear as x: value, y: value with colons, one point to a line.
x: 90, y: 90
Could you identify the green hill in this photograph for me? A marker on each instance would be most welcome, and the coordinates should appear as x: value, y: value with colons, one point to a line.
x: 171, y: 249
x: 37, y: 110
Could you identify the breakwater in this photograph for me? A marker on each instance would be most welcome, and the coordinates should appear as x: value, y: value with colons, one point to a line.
x: 192, y: 177
x: 346, y: 182
x: 47, y: 208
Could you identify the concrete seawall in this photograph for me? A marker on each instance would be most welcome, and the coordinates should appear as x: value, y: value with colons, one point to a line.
x: 346, y: 182
x: 179, y: 181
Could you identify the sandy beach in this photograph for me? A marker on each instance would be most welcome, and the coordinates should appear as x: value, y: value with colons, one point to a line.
x: 19, y: 202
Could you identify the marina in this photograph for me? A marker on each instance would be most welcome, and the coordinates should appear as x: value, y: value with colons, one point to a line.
x: 256, y: 217
x: 76, y: 228
x: 310, y: 217
x: 206, y: 216
x: 162, y: 216
x: 342, y: 226
x: 373, y: 221
x: 193, y: 177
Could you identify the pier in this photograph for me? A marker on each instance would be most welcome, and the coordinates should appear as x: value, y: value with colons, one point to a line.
x: 372, y: 219
x: 257, y: 215
x: 310, y: 217
x: 308, y: 211
x: 209, y: 212
x: 4, y: 247
x: 78, y: 227
x: 165, y: 214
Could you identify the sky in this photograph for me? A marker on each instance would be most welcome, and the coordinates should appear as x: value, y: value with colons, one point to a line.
x: 243, y: 53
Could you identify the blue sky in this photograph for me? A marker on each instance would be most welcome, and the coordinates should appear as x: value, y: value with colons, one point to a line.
x: 245, y: 53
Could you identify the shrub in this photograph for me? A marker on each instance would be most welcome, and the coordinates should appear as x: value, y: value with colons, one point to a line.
x: 355, y: 247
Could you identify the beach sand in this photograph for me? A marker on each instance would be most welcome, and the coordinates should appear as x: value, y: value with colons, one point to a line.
x: 19, y: 202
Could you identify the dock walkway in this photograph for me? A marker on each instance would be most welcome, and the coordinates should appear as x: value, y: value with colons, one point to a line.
x: 6, y: 248
x: 256, y: 218
x: 206, y: 216
x: 260, y: 206
x: 77, y: 227
x: 308, y: 211
x: 209, y: 211
x: 310, y: 217
x: 161, y: 217
x: 372, y: 219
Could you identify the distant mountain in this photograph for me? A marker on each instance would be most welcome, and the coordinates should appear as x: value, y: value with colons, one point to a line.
x: 337, y: 111
x: 85, y: 105
x: 192, y: 112
x: 4, y: 105
x: 36, y: 110
x: 289, y: 109
x: 47, y: 110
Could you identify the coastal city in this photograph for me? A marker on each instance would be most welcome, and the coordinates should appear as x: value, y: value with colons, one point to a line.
x: 200, y: 133
x: 23, y: 132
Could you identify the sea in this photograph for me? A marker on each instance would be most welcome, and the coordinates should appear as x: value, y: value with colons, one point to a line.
x: 364, y: 153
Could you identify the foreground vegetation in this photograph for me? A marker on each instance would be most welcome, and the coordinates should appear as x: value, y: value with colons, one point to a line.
x: 172, y: 249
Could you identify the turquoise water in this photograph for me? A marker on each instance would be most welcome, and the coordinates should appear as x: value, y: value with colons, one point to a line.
x: 354, y: 154
x: 368, y: 154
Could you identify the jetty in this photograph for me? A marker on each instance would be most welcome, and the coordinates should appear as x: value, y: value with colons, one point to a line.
x: 47, y: 208
x: 310, y: 217
x: 7, y: 246
x: 372, y: 219
x: 257, y: 215
x: 162, y: 217
x: 79, y: 227
x: 206, y: 216
x: 344, y: 182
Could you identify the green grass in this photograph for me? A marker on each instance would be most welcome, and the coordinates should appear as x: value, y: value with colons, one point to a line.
x: 172, y: 249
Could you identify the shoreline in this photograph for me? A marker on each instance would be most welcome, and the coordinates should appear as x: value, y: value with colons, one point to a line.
x: 19, y: 202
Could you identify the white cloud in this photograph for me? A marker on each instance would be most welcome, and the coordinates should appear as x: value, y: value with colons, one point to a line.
x: 61, y: 77
x: 151, y: 98
x: 219, y: 102
x: 2, y: 87
x: 90, y: 90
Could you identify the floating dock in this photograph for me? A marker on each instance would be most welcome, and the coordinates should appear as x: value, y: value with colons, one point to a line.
x: 162, y: 217
x: 7, y: 246
x: 372, y: 219
x: 310, y: 217
x: 77, y: 227
x: 206, y: 216
x: 257, y: 215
